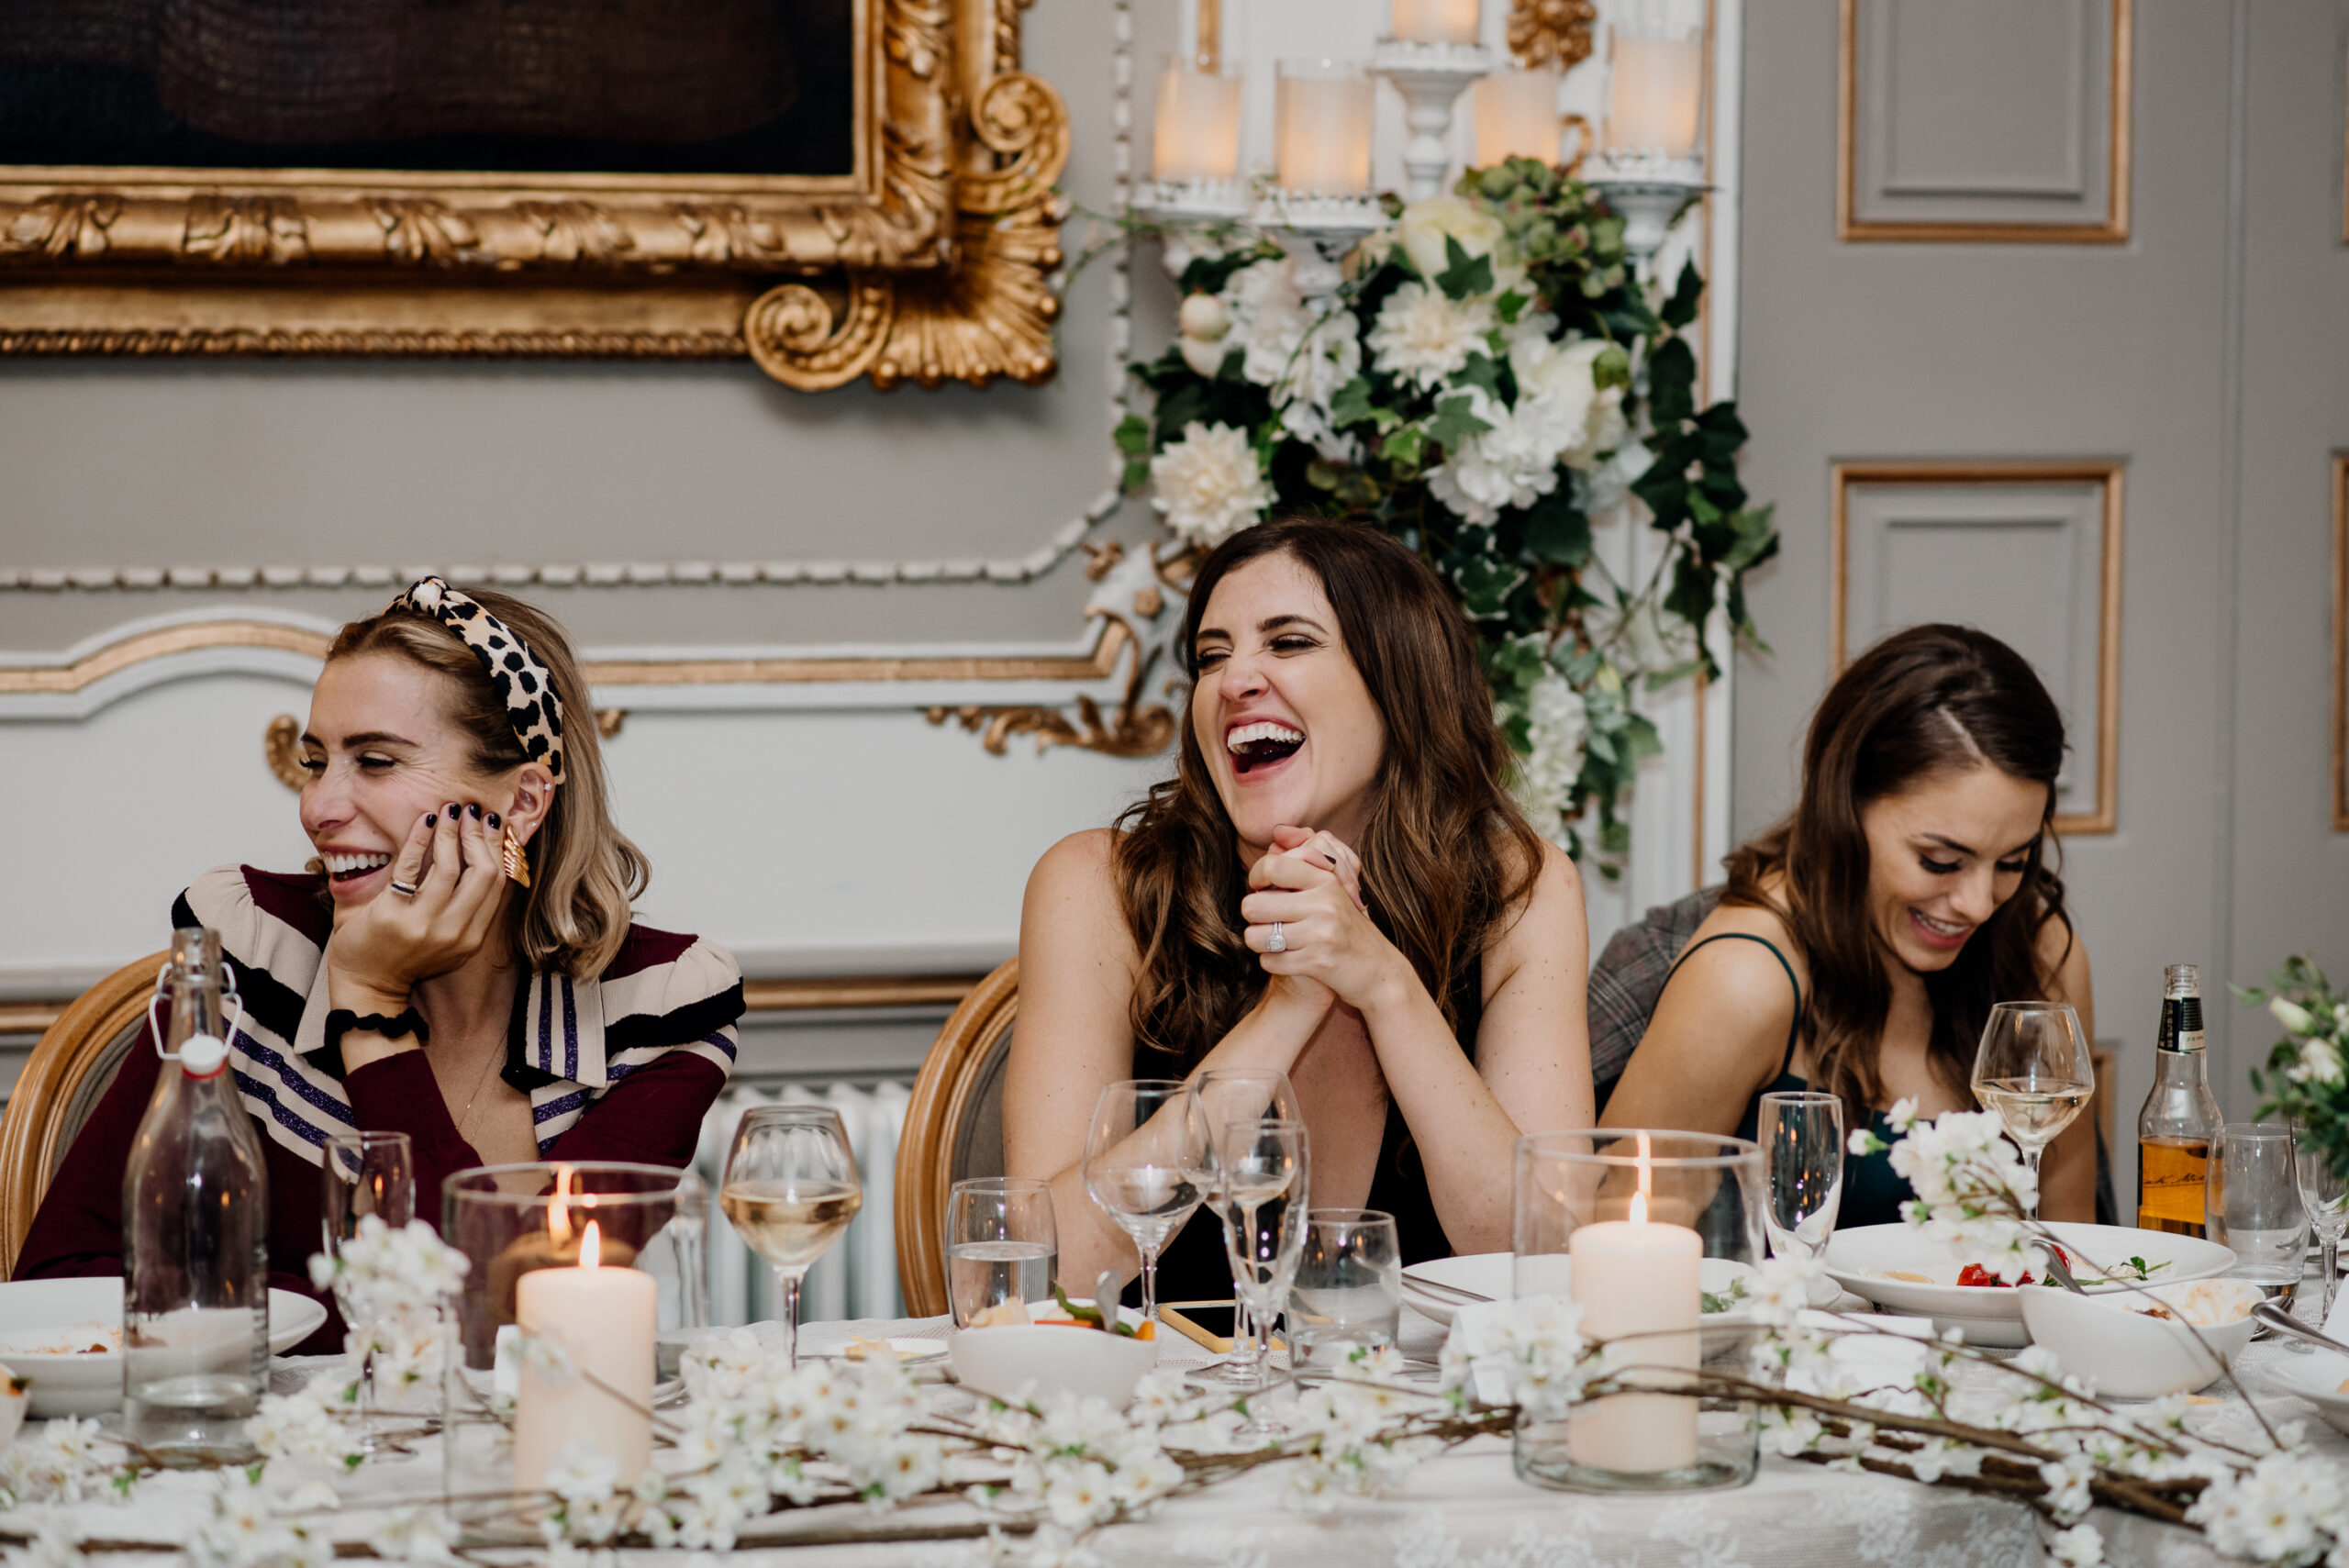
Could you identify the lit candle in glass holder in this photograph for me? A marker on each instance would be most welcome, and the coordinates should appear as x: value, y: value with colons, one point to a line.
x: 1637, y: 1277
x: 1321, y: 130
x: 1657, y: 94
x: 1517, y: 116
x: 1195, y: 134
x: 603, y: 1320
x: 1436, y: 21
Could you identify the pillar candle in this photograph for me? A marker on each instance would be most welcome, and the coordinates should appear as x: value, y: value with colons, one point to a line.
x: 1635, y: 1277
x: 1436, y: 21
x: 1658, y: 88
x: 603, y: 1317
x: 1517, y: 116
x: 1195, y: 134
x: 1323, y: 144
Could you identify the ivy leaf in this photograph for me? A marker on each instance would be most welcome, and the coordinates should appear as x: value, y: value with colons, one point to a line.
x: 1352, y: 406
x: 1405, y: 447
x: 1464, y: 274
x: 1485, y: 585
x: 1510, y: 305
x: 1557, y: 531
x: 1691, y: 598
x: 1209, y: 274
x: 1137, y: 474
x: 1672, y: 382
x: 1758, y: 539
x: 1681, y: 308
x: 1484, y: 370
x: 1454, y: 423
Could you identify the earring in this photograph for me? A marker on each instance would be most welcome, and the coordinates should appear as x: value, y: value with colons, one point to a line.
x: 518, y: 865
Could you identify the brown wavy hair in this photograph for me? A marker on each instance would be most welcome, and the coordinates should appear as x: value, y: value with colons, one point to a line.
x: 1930, y: 699
x: 584, y: 873
x: 1445, y: 857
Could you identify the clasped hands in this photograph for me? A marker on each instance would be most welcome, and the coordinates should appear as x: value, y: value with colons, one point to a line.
x: 1312, y: 884
x: 382, y: 948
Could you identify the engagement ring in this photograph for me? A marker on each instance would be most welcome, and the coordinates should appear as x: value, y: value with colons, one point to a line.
x: 1279, y: 944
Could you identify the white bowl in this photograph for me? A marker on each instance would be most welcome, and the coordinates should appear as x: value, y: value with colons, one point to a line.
x: 2126, y: 1354
x: 2322, y: 1379
x: 1863, y: 1260
x: 42, y: 1312
x: 1034, y: 1361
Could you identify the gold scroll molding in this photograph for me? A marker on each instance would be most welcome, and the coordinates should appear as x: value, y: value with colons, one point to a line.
x: 2112, y: 229
x: 2340, y: 643
x: 928, y: 262
x: 2105, y: 817
x: 1552, y: 32
x: 1133, y: 729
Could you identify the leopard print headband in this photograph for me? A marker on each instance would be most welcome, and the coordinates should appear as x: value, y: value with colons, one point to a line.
x: 531, y: 705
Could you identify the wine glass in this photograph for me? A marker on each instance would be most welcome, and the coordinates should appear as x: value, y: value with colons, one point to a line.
x: 790, y: 1188
x: 362, y: 1173
x: 1229, y: 1095
x: 1261, y: 1190
x: 2034, y: 1069
x: 1000, y: 1243
x: 1147, y: 1163
x: 1801, y: 1134
x: 2324, y: 1193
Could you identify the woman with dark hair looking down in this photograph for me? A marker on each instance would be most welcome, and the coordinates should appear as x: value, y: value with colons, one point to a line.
x: 1862, y: 943
x: 1341, y: 774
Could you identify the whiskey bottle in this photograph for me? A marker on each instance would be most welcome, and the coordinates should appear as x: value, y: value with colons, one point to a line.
x: 2180, y: 1115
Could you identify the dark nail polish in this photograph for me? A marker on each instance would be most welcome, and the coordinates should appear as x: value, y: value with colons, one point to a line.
x: 432, y: 819
x: 493, y: 820
x: 451, y: 809
x: 475, y: 809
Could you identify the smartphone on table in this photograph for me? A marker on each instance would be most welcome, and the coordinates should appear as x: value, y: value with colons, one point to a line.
x: 1208, y: 1323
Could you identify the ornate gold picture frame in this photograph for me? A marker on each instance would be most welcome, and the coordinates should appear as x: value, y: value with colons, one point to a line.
x: 926, y: 263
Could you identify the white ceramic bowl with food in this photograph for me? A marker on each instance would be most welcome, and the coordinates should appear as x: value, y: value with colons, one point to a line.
x: 1898, y: 1269
x: 2322, y: 1379
x: 2118, y: 1343
x: 1036, y: 1360
x: 51, y: 1331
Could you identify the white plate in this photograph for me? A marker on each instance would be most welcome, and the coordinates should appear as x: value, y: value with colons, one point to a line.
x: 1857, y: 1260
x: 2318, y: 1379
x: 85, y: 1383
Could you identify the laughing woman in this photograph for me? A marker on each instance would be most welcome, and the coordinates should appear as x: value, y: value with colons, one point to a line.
x: 460, y: 966
x: 1335, y: 885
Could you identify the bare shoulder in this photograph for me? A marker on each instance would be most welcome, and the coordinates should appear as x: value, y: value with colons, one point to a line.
x: 1073, y: 910
x: 2064, y: 957
x: 1741, y: 977
x: 1548, y: 921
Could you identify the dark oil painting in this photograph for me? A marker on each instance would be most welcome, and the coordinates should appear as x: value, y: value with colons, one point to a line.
x: 737, y: 87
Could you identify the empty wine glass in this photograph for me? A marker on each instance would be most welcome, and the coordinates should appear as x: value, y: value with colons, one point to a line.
x: 1801, y: 1134
x: 2034, y: 1069
x: 1000, y: 1244
x: 1147, y: 1163
x: 790, y: 1188
x: 2324, y: 1193
x: 1263, y: 1186
x: 363, y: 1173
x: 1229, y: 1095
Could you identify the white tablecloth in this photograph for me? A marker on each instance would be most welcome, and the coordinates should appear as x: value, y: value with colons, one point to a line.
x: 1464, y: 1510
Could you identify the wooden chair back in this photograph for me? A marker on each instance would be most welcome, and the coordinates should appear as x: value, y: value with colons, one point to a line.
x: 66, y: 1076
x: 953, y: 1131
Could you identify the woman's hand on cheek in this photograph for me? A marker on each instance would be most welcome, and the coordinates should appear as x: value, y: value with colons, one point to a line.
x: 1326, y: 936
x: 381, y: 949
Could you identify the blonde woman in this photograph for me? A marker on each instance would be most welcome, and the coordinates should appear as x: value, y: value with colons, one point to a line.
x: 459, y: 963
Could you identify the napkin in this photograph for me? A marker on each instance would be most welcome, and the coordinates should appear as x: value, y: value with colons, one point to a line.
x: 1482, y: 1329
x: 2336, y: 1322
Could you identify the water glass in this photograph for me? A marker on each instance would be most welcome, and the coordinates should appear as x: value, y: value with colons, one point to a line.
x: 1263, y: 1184
x: 1801, y: 1134
x: 1148, y: 1163
x: 363, y: 1173
x: 1000, y: 1244
x: 1229, y: 1095
x: 2252, y: 1198
x: 791, y: 1186
x: 1349, y: 1287
x: 2324, y: 1193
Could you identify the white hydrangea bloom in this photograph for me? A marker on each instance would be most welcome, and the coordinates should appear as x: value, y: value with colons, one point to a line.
x: 1209, y: 484
x: 1557, y: 722
x: 1424, y: 338
x: 1560, y: 379
x: 1514, y: 463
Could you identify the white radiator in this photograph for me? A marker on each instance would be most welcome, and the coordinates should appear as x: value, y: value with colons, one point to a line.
x: 858, y: 1278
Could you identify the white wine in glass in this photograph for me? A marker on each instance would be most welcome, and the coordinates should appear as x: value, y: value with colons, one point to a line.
x: 790, y: 1188
x: 2035, y: 1069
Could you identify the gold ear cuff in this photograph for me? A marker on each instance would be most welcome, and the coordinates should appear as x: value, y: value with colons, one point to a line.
x: 517, y: 864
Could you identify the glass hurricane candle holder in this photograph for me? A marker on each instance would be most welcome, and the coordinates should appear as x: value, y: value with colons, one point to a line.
x: 1645, y: 1229
x: 1322, y: 115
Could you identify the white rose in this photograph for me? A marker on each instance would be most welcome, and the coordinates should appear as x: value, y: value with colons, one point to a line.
x: 1204, y: 316
x: 1207, y: 484
x: 1425, y: 225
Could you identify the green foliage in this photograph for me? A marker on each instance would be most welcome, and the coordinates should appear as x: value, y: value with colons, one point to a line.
x: 2304, y: 1081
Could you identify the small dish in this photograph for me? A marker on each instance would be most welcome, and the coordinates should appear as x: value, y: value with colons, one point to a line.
x: 2128, y: 1354
x: 38, y: 1317
x: 2322, y: 1379
x: 1024, y: 1361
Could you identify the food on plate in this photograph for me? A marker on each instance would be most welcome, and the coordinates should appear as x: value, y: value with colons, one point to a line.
x: 1090, y: 1317
x: 91, y: 1338
x: 1975, y: 1275
x: 1002, y: 1315
x: 2205, y: 1303
x: 1909, y: 1274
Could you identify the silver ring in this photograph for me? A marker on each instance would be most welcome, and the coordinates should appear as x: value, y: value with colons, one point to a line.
x: 1279, y: 942
x: 406, y: 890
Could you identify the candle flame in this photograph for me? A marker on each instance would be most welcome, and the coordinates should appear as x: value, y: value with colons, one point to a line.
x: 591, y: 1248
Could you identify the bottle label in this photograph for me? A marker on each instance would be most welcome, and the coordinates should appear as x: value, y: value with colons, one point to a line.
x: 2189, y: 1040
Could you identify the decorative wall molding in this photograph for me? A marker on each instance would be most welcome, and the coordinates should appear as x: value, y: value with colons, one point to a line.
x: 2341, y: 642
x: 2020, y: 479
x: 2111, y: 226
x: 930, y: 261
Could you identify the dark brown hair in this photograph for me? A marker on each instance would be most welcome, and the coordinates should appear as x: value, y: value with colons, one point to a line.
x: 584, y: 874
x: 1926, y: 700
x: 1445, y: 856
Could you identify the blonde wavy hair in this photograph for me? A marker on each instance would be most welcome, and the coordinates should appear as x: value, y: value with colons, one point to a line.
x: 584, y: 873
